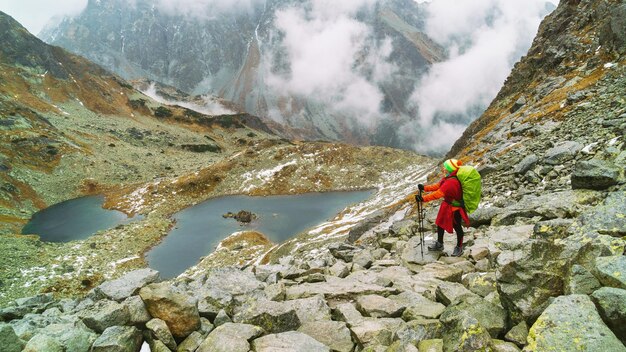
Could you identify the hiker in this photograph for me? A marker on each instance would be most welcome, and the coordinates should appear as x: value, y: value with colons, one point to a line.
x: 451, y: 211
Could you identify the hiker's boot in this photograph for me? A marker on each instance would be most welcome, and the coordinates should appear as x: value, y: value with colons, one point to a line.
x: 457, y: 252
x: 437, y: 246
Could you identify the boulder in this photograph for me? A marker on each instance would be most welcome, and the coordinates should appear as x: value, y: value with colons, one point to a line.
x: 178, y: 310
x: 530, y: 277
x: 9, y: 340
x: 191, y: 343
x: 418, y: 330
x: 605, y: 219
x: 503, y: 346
x: 464, y: 333
x: 371, y: 331
x: 418, y: 306
x: 397, y: 346
x: 221, y: 318
x: 580, y: 281
x: 104, y: 314
x: 449, y: 292
x: 432, y: 345
x: 339, y: 269
x: 159, y: 330
x: 333, y: 334
x: 310, y: 309
x: 157, y: 346
x: 518, y: 334
x: 521, y: 101
x: 594, y: 174
x: 562, y: 152
x: 611, y: 304
x: 363, y: 258
x: 343, y: 251
x: 118, y: 339
x: 484, y: 216
x: 230, y: 337
x: 346, y: 312
x: 571, y: 323
x: 481, y: 284
x: 127, y: 285
x: 611, y: 271
x: 291, y: 341
x: 42, y: 343
x: 491, y: 317
x: 274, y: 292
x: 137, y: 310
x: 379, y: 307
x: 231, y: 281
x: 273, y: 317
x: 526, y: 164
x: 73, y: 336
x: 337, y: 288
x: 413, y: 254
x: 552, y: 229
x: 441, y: 271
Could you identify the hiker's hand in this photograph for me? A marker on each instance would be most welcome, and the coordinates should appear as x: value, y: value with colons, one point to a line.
x: 418, y: 198
x: 420, y: 187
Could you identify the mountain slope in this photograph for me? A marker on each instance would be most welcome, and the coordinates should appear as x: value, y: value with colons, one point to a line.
x: 242, y: 57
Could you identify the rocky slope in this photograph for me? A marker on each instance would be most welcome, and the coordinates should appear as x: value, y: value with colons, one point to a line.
x: 236, y: 55
x: 543, y: 267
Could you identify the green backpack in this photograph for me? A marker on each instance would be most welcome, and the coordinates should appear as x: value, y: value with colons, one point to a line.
x: 470, y: 181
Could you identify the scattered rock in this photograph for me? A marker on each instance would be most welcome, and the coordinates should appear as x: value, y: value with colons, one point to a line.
x: 127, y: 285
x: 178, y: 310
x: 562, y: 152
x: 379, y: 307
x: 611, y: 271
x: 594, y: 174
x: 491, y: 317
x: 104, y: 314
x: 159, y: 330
x: 42, y: 343
x: 9, y: 340
x: 572, y: 323
x: 433, y: 345
x: 291, y: 341
x: 611, y: 304
x: 333, y: 334
x: 118, y: 339
x: 230, y: 337
x: 273, y: 317
x: 580, y: 281
x: 518, y: 334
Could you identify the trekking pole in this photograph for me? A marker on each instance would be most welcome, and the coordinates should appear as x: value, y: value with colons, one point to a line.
x: 420, y: 221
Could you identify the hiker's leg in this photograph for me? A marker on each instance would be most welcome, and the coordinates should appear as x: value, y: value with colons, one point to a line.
x: 440, y: 232
x: 437, y: 246
x: 458, y: 228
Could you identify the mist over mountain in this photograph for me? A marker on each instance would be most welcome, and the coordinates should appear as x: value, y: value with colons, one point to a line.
x: 389, y: 72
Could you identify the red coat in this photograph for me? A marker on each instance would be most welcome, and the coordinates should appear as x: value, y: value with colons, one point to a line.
x: 448, y: 188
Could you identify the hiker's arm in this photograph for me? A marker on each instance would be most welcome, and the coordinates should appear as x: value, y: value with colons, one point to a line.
x: 432, y: 196
x: 432, y: 188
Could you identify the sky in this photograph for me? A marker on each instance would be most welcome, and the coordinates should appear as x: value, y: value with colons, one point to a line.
x: 323, y: 42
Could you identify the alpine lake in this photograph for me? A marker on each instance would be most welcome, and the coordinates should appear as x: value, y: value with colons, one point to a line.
x: 200, y: 228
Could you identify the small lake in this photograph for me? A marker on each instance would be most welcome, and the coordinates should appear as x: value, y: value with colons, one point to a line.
x: 200, y: 228
x: 74, y: 219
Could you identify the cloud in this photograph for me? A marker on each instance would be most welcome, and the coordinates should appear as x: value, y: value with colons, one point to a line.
x: 484, y: 39
x: 211, y: 105
x: 324, y: 47
x: 206, y: 8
